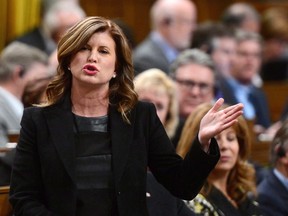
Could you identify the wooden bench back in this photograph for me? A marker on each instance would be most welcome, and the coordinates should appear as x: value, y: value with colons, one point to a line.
x: 277, y: 96
x: 5, y: 206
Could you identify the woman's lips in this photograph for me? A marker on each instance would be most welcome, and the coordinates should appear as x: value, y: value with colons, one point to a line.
x: 224, y: 158
x: 90, y: 69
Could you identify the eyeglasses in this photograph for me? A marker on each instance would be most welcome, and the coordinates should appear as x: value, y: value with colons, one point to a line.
x: 188, y: 85
x: 255, y: 55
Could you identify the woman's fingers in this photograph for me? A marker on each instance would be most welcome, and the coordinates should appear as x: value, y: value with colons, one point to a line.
x: 217, y: 105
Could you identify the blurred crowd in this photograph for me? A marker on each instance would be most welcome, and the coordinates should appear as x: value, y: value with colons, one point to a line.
x: 182, y: 66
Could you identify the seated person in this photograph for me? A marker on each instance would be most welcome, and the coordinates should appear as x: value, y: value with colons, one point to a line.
x: 230, y: 187
x: 239, y: 87
x: 273, y: 190
x: 154, y: 86
x: 21, y: 68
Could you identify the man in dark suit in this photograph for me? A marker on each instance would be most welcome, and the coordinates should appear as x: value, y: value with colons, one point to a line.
x: 57, y: 19
x: 273, y: 190
x: 194, y: 74
x: 21, y: 67
x: 173, y: 22
x: 239, y: 85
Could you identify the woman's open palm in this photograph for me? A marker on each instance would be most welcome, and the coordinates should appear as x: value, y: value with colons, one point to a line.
x: 217, y: 120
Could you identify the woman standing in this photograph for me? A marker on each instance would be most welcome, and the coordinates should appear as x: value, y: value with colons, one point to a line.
x: 86, y: 151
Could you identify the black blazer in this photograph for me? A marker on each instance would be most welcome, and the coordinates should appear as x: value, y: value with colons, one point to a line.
x: 6, y: 161
x: 35, y: 38
x: 161, y: 203
x: 43, y: 176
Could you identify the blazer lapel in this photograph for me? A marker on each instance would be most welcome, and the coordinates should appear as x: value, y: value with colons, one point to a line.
x: 121, y: 138
x: 60, y: 121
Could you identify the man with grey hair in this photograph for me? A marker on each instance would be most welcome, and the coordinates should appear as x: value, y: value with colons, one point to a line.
x: 58, y: 18
x: 20, y: 67
x: 194, y: 74
x: 241, y: 15
x: 172, y: 22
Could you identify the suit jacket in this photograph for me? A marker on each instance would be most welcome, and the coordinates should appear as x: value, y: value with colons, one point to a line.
x: 43, y: 175
x: 258, y: 100
x: 273, y: 196
x: 35, y: 38
x: 149, y: 55
x: 9, y: 120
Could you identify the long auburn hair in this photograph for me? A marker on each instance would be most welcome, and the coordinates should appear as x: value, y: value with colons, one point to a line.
x: 121, y: 89
x: 241, y: 179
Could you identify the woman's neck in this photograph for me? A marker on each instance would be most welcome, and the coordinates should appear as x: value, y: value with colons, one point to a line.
x: 89, y: 103
x: 219, y: 181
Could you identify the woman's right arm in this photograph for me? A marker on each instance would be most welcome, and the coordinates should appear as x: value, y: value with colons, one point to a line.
x: 26, y: 190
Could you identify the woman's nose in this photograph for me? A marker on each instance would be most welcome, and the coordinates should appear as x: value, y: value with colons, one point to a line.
x: 92, y: 57
x: 222, y: 144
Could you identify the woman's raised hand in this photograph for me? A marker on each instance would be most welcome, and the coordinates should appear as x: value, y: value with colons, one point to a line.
x: 217, y: 120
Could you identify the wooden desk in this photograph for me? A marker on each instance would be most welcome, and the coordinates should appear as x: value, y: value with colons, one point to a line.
x: 5, y: 206
x: 13, y: 137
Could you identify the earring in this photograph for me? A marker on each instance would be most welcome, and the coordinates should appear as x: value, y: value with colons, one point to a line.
x: 69, y: 68
x: 114, y: 76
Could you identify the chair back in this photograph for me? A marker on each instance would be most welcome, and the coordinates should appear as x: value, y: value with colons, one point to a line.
x: 5, y: 206
x: 277, y: 95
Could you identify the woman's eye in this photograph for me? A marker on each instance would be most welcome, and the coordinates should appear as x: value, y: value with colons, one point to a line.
x: 103, y: 51
x: 231, y: 138
x: 85, y: 48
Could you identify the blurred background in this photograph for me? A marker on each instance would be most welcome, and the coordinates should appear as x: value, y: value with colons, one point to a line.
x: 20, y: 16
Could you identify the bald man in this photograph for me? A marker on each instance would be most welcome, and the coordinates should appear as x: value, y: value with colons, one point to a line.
x: 173, y: 22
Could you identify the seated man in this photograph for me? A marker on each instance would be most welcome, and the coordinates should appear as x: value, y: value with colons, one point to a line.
x: 273, y: 190
x: 21, y: 66
x: 239, y: 85
x: 194, y: 74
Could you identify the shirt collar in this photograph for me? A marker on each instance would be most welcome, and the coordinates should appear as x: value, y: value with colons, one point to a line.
x: 281, y: 178
x: 237, y: 85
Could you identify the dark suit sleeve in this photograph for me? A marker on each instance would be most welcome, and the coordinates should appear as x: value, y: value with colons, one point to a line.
x: 183, y: 178
x: 267, y: 207
x: 26, y: 191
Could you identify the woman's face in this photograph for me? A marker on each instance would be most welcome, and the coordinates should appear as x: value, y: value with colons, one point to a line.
x: 94, y: 65
x: 229, y: 150
x: 159, y: 98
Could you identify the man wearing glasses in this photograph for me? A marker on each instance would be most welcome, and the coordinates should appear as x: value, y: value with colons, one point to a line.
x: 194, y: 74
